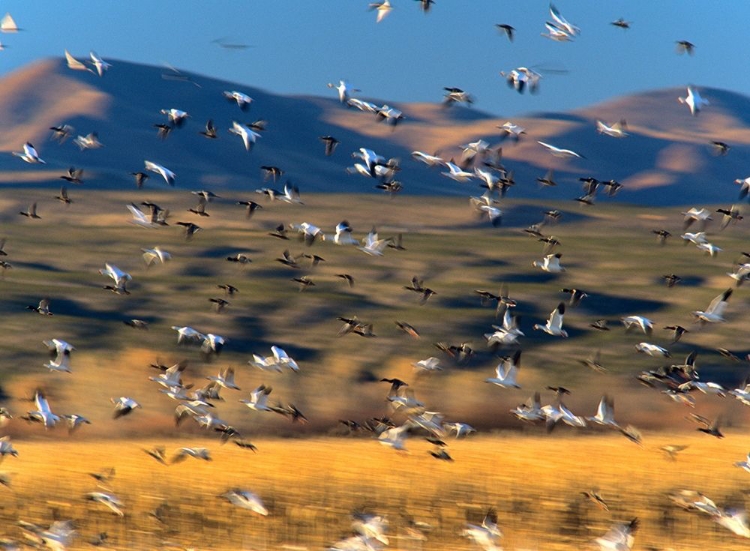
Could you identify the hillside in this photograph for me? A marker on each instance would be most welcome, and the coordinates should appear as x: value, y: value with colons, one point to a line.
x: 665, y: 160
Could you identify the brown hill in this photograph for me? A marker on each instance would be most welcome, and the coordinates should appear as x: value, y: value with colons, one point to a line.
x: 665, y: 160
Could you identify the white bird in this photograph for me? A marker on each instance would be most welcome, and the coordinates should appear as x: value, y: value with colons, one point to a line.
x: 164, y: 172
x: 652, y: 349
x: 283, y: 359
x: 638, y: 322
x: 212, y: 344
x: 62, y: 351
x: 702, y: 215
x: 605, y: 413
x: 485, y: 535
x: 736, y: 521
x: 258, y: 399
x: 171, y: 378
x: 246, y: 500
x: 123, y: 406
x: 715, y: 311
x: 177, y: 117
x: 383, y: 8
x: 429, y: 365
x: 8, y: 24
x: 187, y: 334
x: 395, y: 437
x: 309, y: 233
x: 620, y: 537
x: 696, y: 238
x: 29, y: 154
x: 559, y: 152
x: 530, y: 411
x: 709, y: 248
x: 120, y: 278
x: 554, y: 323
x: 108, y: 500
x: 89, y: 141
x: 512, y: 130
x: 248, y: 135
x: 155, y: 220
x: 556, y: 33
x: 693, y: 100
x: 522, y: 78
x: 429, y: 160
x: 461, y: 429
x: 616, y: 130
x: 266, y: 364
x: 458, y: 174
x: 365, y: 106
x: 390, y: 115
x: 99, y: 64
x: 550, y: 263
x: 74, y: 64
x: 344, y: 234
x: 374, y: 246
x: 562, y: 23
x: 151, y: 256
x: 243, y: 100
x: 43, y: 413
x: 506, y: 372
x: 344, y: 90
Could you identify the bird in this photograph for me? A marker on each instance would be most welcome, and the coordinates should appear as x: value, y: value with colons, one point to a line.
x: 576, y: 295
x: 594, y: 362
x: 124, y: 406
x: 249, y: 136
x: 550, y: 263
x: 168, y: 175
x: 554, y: 323
x: 456, y: 95
x: 652, y: 349
x: 677, y: 332
x: 197, y: 453
x: 42, y: 308
x: 242, y: 100
x: 30, y: 212
x: 330, y: 144
x: 507, y: 30
x: 43, y: 414
x: 620, y: 537
x: 155, y: 255
x: 99, y: 64
x: 246, y: 500
x: 190, y: 229
x: 712, y: 428
x: 596, y: 498
x: 120, y: 278
x: 74, y: 175
x: 210, y: 130
x: 693, y: 100
x: 89, y: 141
x: 715, y: 311
x: 621, y: 23
x: 638, y: 322
x: 108, y: 500
x: 685, y: 47
x: 616, y: 130
x: 29, y: 154
x: 258, y: 399
x: 506, y: 372
x: 560, y: 152
x: 672, y: 450
x: 383, y: 8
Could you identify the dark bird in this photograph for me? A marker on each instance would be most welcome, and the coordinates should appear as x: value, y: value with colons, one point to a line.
x: 425, y: 5
x: 396, y: 384
x: 42, y: 308
x: 671, y: 279
x: 239, y: 258
x: 280, y: 232
x: 163, y: 130
x: 200, y: 209
x: 621, y: 23
x: 677, y: 332
x: 250, y: 206
x: 391, y: 188
x: 348, y: 278
x: 712, y: 428
x: 599, y: 325
x: 290, y: 411
x: 732, y: 214
x: 190, y: 229
x: 719, y: 148
x: 408, y: 329
x: 219, y: 304
x: 330, y: 143
x: 229, y: 290
x: 2, y: 247
x: 594, y: 362
x: 288, y: 260
x: 304, y: 282
x: 596, y: 498
x: 30, y: 212
x: 576, y: 295
x: 61, y: 133
x: 210, y: 131
x: 136, y: 324
x: 506, y: 29
x: 672, y: 450
x: 140, y: 178
x: 63, y: 197
x: 271, y: 172
x: 661, y: 236
x: 685, y: 47
x: 74, y: 175
x: 548, y: 179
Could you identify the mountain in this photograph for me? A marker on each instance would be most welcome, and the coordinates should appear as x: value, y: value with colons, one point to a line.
x: 666, y: 159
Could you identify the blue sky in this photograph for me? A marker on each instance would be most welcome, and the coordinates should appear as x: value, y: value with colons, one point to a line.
x: 299, y: 46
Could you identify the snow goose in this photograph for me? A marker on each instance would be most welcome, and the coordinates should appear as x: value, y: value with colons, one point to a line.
x: 638, y: 322
x: 554, y: 323
x: 243, y: 100
x: 245, y: 499
x: 550, y: 263
x: 715, y: 311
x: 652, y: 349
x: 99, y: 64
x: 258, y: 399
x: 506, y: 372
x: 560, y: 152
x: 123, y: 406
x: 29, y: 154
x: 249, y: 136
x: 164, y: 172
x: 693, y: 100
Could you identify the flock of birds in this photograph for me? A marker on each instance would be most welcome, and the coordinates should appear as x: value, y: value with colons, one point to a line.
x: 479, y: 162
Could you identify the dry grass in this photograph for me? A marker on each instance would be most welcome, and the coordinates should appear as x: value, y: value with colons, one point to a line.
x: 311, y: 486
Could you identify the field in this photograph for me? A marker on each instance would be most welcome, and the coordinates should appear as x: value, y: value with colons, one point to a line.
x: 315, y: 477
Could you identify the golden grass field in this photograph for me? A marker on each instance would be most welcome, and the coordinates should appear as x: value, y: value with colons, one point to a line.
x: 313, y: 480
x: 311, y: 486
